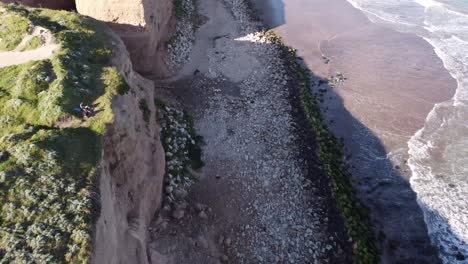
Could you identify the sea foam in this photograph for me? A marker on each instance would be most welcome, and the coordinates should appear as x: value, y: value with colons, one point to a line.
x: 438, y: 152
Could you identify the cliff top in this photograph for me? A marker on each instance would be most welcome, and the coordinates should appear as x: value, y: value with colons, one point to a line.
x: 48, y: 151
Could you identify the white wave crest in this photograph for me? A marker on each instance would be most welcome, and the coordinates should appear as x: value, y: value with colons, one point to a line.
x: 438, y: 152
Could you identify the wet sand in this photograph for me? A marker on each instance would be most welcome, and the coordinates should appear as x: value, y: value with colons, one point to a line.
x: 393, y: 81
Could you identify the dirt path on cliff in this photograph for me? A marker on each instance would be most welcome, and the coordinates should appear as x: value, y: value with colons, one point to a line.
x: 17, y: 57
x: 258, y: 200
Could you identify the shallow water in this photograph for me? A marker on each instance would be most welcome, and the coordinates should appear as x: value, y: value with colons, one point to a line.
x: 403, y: 109
x: 439, y: 151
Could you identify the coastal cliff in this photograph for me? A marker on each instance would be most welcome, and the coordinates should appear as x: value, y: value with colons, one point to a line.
x: 144, y: 26
x: 74, y: 188
x: 132, y: 170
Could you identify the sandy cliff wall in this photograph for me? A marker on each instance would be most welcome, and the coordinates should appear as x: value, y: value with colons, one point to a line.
x: 144, y: 25
x: 132, y: 172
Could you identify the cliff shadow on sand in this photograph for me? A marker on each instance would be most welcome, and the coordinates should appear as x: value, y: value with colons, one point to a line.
x: 397, y: 219
x: 382, y: 185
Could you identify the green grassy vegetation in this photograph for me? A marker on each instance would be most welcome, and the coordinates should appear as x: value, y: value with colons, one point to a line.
x: 182, y: 147
x: 179, y: 9
x: 112, y: 78
x: 194, y: 148
x: 34, y: 43
x: 146, y: 112
x: 186, y: 12
x: 48, y: 152
x: 329, y: 150
x: 13, y: 28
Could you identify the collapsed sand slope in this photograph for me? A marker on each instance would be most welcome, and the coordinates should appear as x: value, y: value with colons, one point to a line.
x: 17, y: 57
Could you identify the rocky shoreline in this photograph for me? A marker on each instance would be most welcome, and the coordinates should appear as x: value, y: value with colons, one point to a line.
x: 263, y: 188
x: 331, y: 158
x: 181, y: 43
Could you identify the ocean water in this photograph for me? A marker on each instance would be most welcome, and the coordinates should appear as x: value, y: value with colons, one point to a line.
x: 438, y: 152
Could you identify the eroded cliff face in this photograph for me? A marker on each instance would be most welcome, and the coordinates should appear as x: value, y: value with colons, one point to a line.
x: 133, y: 164
x: 144, y: 26
x: 132, y: 171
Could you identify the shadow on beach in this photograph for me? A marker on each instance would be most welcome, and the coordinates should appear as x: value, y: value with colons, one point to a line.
x: 381, y: 185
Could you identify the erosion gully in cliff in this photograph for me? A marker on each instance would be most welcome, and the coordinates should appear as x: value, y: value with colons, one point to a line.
x: 144, y: 25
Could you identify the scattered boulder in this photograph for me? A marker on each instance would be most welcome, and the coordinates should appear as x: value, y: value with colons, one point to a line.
x: 203, y: 215
x: 199, y: 207
x: 227, y: 242
x: 202, y: 242
x: 221, y: 239
x: 459, y: 256
x: 224, y: 258
x: 181, y: 205
x: 178, y: 214
x: 180, y: 193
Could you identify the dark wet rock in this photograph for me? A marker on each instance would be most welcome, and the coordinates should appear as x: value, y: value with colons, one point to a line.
x: 459, y: 256
x: 178, y: 214
x: 203, y: 215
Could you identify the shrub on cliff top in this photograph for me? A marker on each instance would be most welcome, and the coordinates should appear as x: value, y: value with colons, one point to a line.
x: 13, y: 28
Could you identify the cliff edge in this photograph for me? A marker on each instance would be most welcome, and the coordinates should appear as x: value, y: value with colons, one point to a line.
x: 76, y: 186
x: 132, y: 170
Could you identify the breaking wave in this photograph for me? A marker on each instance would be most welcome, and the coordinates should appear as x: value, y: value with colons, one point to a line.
x: 438, y: 151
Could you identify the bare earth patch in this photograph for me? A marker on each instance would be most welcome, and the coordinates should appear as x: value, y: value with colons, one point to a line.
x: 17, y: 57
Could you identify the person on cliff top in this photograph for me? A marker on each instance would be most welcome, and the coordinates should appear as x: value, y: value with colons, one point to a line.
x: 86, y: 110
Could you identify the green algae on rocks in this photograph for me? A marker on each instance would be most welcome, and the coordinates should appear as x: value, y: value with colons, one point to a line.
x: 49, y: 154
x: 183, y: 151
x: 330, y: 153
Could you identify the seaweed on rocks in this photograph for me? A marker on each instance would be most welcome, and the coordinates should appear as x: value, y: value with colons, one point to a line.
x: 183, y: 151
x: 330, y: 153
x: 181, y: 44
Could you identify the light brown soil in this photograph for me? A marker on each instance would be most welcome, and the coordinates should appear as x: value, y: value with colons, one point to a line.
x: 17, y: 57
